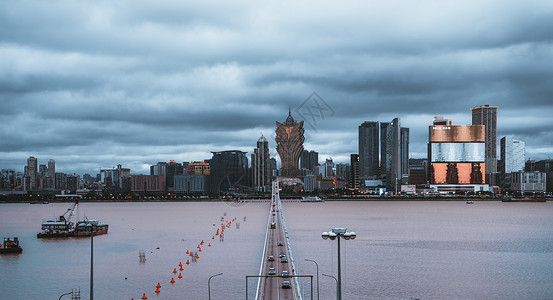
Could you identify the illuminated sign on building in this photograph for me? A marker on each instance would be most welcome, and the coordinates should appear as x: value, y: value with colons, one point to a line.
x: 457, y: 152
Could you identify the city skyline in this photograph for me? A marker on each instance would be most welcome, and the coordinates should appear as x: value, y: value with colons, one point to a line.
x: 145, y: 83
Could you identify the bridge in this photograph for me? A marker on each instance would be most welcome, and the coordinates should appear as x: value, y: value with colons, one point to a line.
x: 277, y: 278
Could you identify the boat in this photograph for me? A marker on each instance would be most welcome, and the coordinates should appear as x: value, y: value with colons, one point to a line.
x: 86, y: 227
x: 61, y: 227
x: 470, y: 202
x: 65, y: 227
x: 10, y: 246
x: 525, y: 199
x: 311, y: 199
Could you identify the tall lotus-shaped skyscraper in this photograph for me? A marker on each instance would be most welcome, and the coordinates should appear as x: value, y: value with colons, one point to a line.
x: 289, y: 139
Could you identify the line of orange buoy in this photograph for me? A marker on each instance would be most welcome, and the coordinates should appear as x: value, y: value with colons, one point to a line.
x: 158, y: 286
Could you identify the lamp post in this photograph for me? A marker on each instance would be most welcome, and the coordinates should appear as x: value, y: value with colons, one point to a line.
x: 66, y: 294
x: 336, y: 283
x: 209, y: 285
x: 338, y: 233
x: 317, y: 265
x: 91, y: 262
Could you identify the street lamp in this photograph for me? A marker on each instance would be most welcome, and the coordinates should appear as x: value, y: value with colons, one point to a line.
x: 334, y: 280
x: 337, y: 233
x: 317, y: 265
x: 70, y: 293
x: 209, y: 285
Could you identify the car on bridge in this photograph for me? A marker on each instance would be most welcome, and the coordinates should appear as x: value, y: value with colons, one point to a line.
x: 284, y: 260
x: 284, y: 274
x: 282, y: 254
x: 286, y: 284
x: 271, y: 258
x: 280, y: 243
x: 272, y: 271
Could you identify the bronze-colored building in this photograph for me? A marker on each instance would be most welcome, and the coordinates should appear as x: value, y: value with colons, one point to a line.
x: 457, y: 154
x: 289, y: 139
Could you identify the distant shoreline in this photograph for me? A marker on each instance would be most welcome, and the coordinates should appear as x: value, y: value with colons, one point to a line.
x: 211, y: 200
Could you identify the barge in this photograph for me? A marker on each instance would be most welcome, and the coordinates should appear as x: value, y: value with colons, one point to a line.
x: 10, y: 246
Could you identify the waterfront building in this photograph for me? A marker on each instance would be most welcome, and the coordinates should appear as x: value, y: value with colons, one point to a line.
x: 343, y: 172
x: 190, y: 183
x: 198, y: 168
x: 31, y: 173
x: 512, y: 155
x: 148, y: 183
x: 368, y: 149
x: 404, y: 144
x: 546, y: 166
x: 528, y: 182
x: 354, y: 176
x: 487, y: 115
x: 51, y: 173
x: 310, y: 182
x: 115, y: 179
x: 229, y: 171
x: 417, y: 174
x: 309, y: 160
x: 456, y: 155
x: 289, y: 139
x: 261, y: 166
x: 274, y: 170
x: 391, y: 158
x: 73, y: 183
x: 61, y: 181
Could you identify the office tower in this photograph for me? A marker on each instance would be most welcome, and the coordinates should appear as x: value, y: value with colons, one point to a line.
x: 391, y: 153
x: 32, y: 172
x: 512, y: 155
x: 61, y: 181
x: 309, y: 160
x: 354, y: 176
x: 457, y: 156
x: 404, y: 155
x: 261, y: 166
x: 274, y: 170
x: 487, y: 115
x: 51, y: 173
x: 289, y: 139
x: 229, y: 171
x: 368, y: 150
x: 197, y: 167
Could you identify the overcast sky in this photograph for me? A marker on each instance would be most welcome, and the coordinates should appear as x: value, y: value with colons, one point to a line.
x: 92, y: 84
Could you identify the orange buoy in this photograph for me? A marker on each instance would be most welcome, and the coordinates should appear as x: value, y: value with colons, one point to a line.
x: 187, y: 252
x: 200, y: 250
x: 197, y: 256
x: 175, y: 270
x: 187, y: 262
x: 180, y: 275
x: 157, y: 290
x: 181, y: 268
x: 213, y: 237
x: 172, y: 280
x: 144, y: 296
x: 180, y: 264
x: 158, y: 285
x: 209, y: 245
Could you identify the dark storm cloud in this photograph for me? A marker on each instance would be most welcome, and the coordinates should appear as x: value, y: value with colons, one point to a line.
x: 133, y: 82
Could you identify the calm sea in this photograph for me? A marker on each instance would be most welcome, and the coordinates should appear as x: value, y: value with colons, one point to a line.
x: 403, y: 250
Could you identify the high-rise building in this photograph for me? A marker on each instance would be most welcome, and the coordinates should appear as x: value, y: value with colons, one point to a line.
x: 390, y: 153
x: 261, y: 166
x: 354, y: 176
x: 51, y: 173
x: 456, y: 157
x: 229, y: 171
x: 309, y: 160
x: 274, y: 170
x: 368, y: 150
x: 512, y: 155
x: 487, y: 115
x: 289, y: 139
x: 32, y: 172
x: 404, y: 144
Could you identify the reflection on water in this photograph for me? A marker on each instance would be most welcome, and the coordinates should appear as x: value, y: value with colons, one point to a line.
x: 426, y: 250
